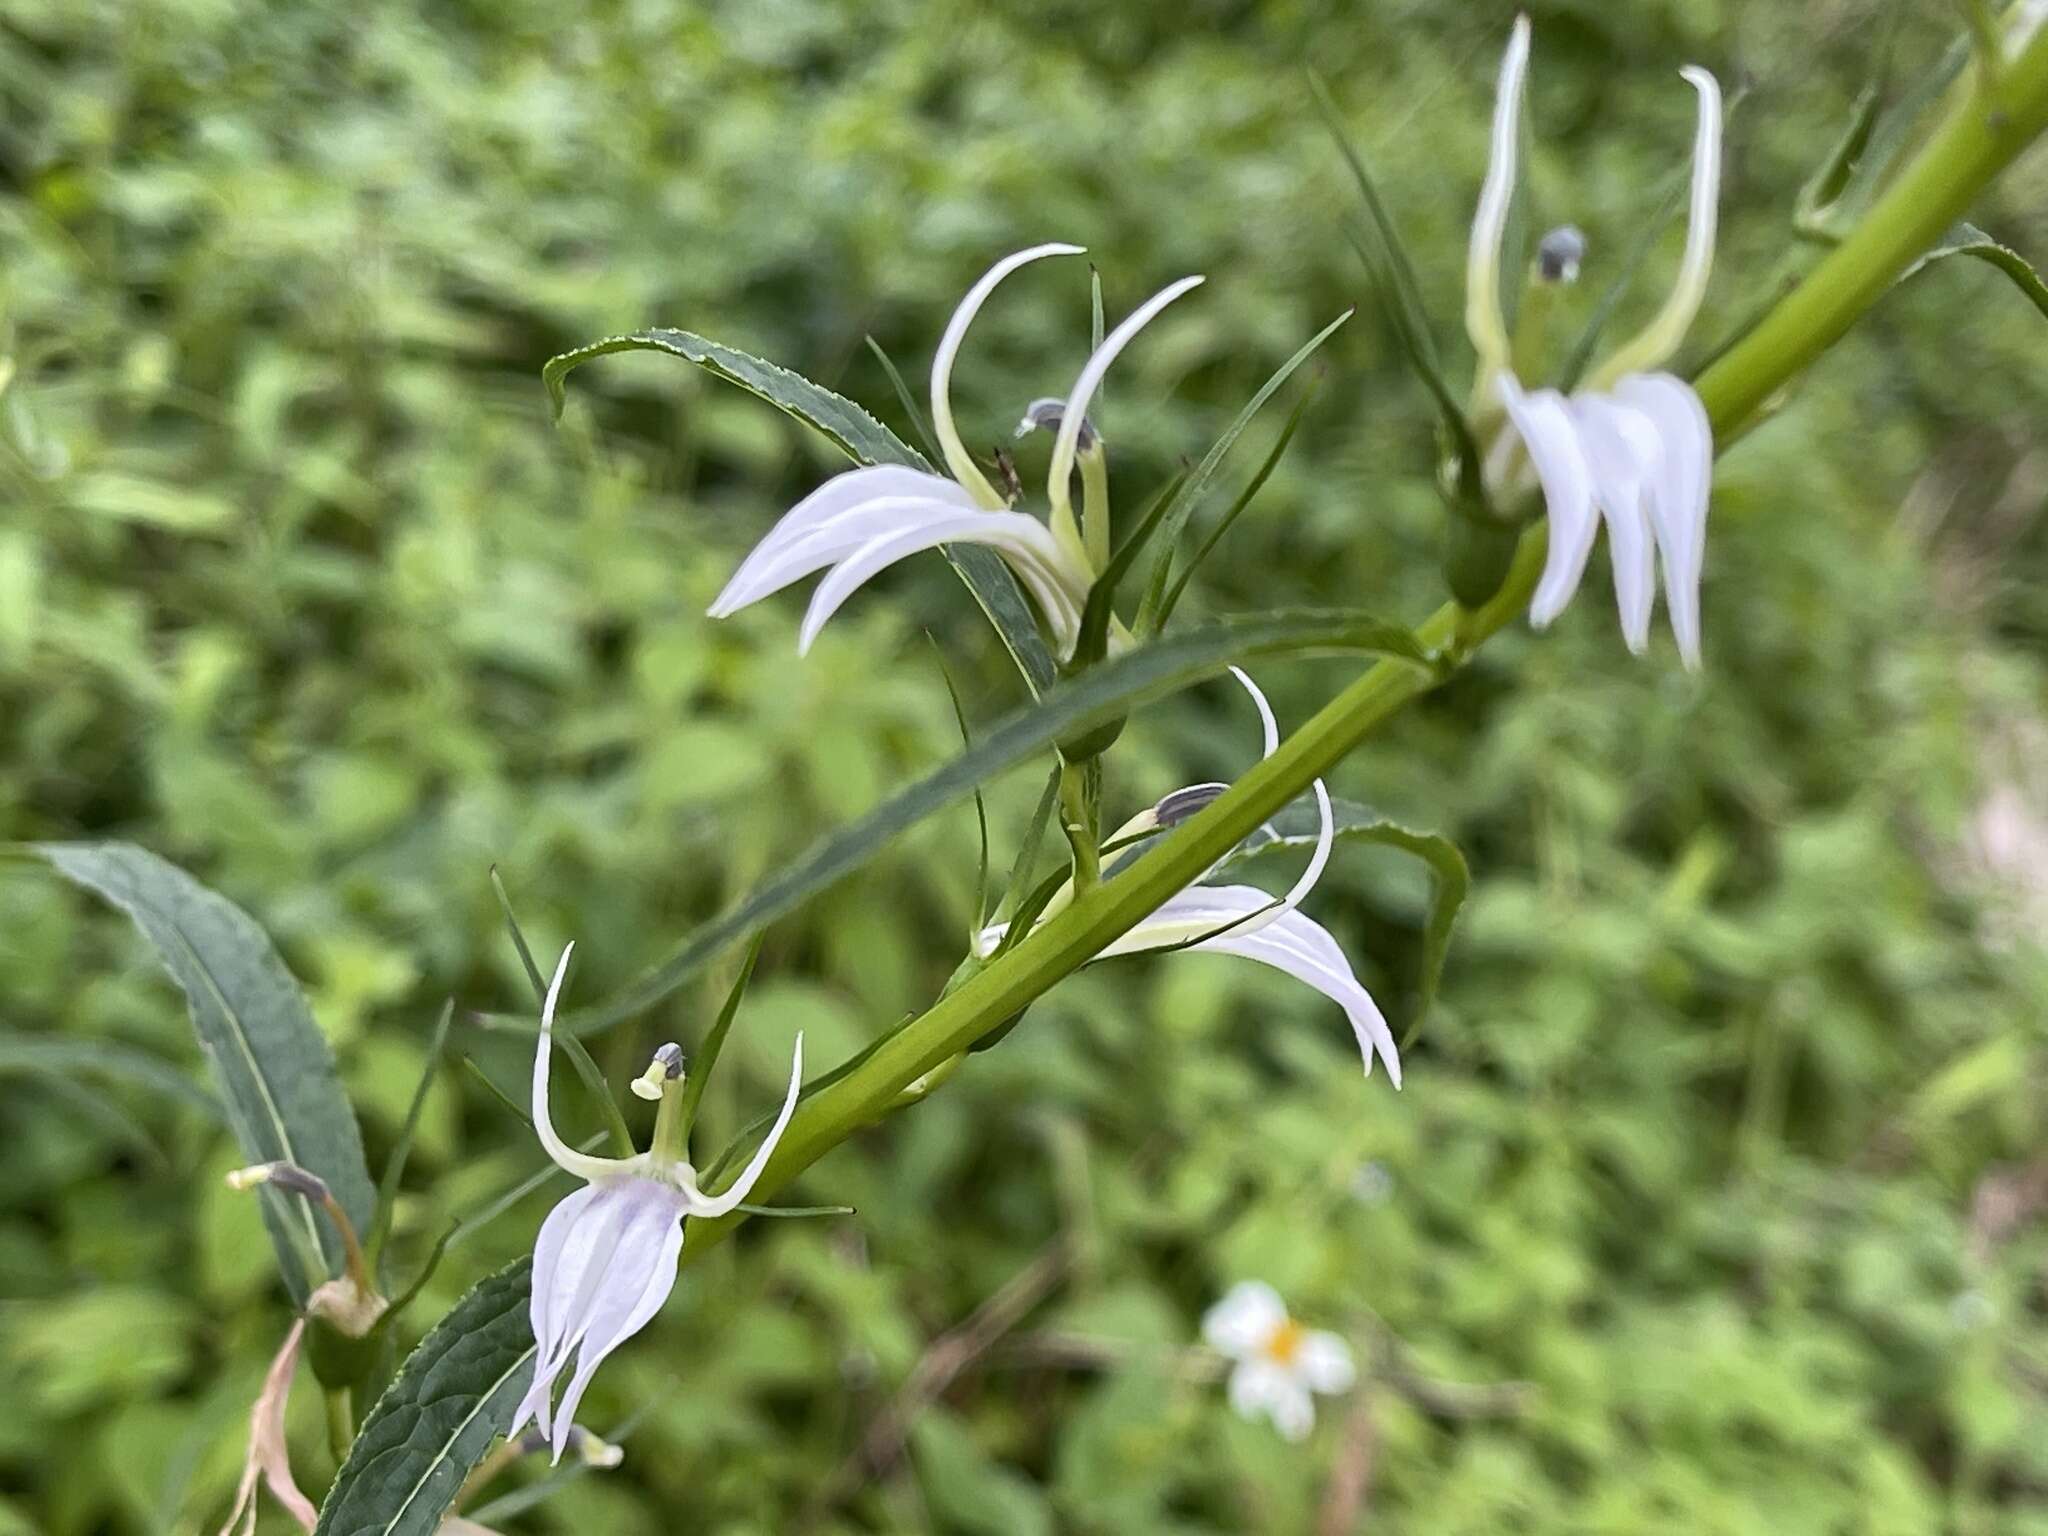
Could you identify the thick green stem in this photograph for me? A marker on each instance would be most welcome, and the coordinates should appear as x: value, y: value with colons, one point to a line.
x: 1985, y: 127
x: 1077, y: 819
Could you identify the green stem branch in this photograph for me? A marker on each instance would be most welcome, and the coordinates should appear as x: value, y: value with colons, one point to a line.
x: 1987, y: 123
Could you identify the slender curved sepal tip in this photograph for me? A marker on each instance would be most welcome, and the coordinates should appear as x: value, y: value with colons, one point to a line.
x: 1484, y: 322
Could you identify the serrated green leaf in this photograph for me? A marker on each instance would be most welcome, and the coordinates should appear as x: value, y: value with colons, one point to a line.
x: 1969, y: 240
x: 1182, y: 507
x: 270, y: 1061
x: 861, y: 438
x: 1297, y: 826
x: 1103, y: 692
x: 452, y: 1397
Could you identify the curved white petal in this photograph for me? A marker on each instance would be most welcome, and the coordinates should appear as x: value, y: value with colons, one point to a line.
x: 1543, y: 419
x: 1288, y: 941
x: 1660, y: 338
x: 1246, y: 1317
x: 1269, y: 727
x: 1022, y: 540
x: 839, y: 494
x: 958, y: 460
x: 562, y: 1256
x: 1678, y: 493
x: 564, y: 1156
x: 1484, y: 322
x: 1324, y: 1363
x: 832, y: 539
x: 700, y: 1204
x: 1621, y: 449
x: 1075, y: 411
x: 641, y: 1276
x: 1326, y: 834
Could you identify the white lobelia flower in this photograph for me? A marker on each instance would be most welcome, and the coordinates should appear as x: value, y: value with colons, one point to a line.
x: 864, y: 520
x: 1278, y: 1363
x: 1633, y: 446
x: 1243, y: 920
x: 606, y: 1256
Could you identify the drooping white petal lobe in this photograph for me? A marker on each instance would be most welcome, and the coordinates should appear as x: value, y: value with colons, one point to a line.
x: 1249, y: 1314
x: 564, y: 1156
x: 1656, y: 341
x: 958, y: 460
x: 1678, y: 493
x: 1621, y: 446
x: 842, y: 493
x: 1076, y: 409
x: 719, y: 1205
x: 639, y: 1279
x: 1543, y: 419
x: 1484, y: 322
x: 568, y: 1253
x: 833, y: 539
x: 1214, y: 918
x: 1024, y: 542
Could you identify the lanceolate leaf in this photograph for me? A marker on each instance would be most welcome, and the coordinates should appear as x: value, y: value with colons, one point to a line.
x: 1101, y: 693
x: 861, y: 438
x: 1182, y: 506
x: 453, y: 1396
x: 1969, y: 240
x: 269, y: 1059
x: 1450, y: 879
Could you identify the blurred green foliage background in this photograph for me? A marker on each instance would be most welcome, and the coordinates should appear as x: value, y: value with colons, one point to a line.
x: 1727, y: 1137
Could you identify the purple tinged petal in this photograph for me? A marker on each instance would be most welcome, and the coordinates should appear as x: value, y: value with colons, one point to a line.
x: 638, y: 1280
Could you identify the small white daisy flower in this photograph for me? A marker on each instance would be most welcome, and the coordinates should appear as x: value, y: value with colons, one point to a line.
x: 1278, y: 1364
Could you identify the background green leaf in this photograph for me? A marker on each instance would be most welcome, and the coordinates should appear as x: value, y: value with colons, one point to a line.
x: 1101, y: 693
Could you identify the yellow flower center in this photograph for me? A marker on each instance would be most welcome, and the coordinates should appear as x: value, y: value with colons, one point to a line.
x: 1285, y: 1343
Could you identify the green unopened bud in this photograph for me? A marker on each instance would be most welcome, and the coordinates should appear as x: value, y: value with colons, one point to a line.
x: 344, y: 1345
